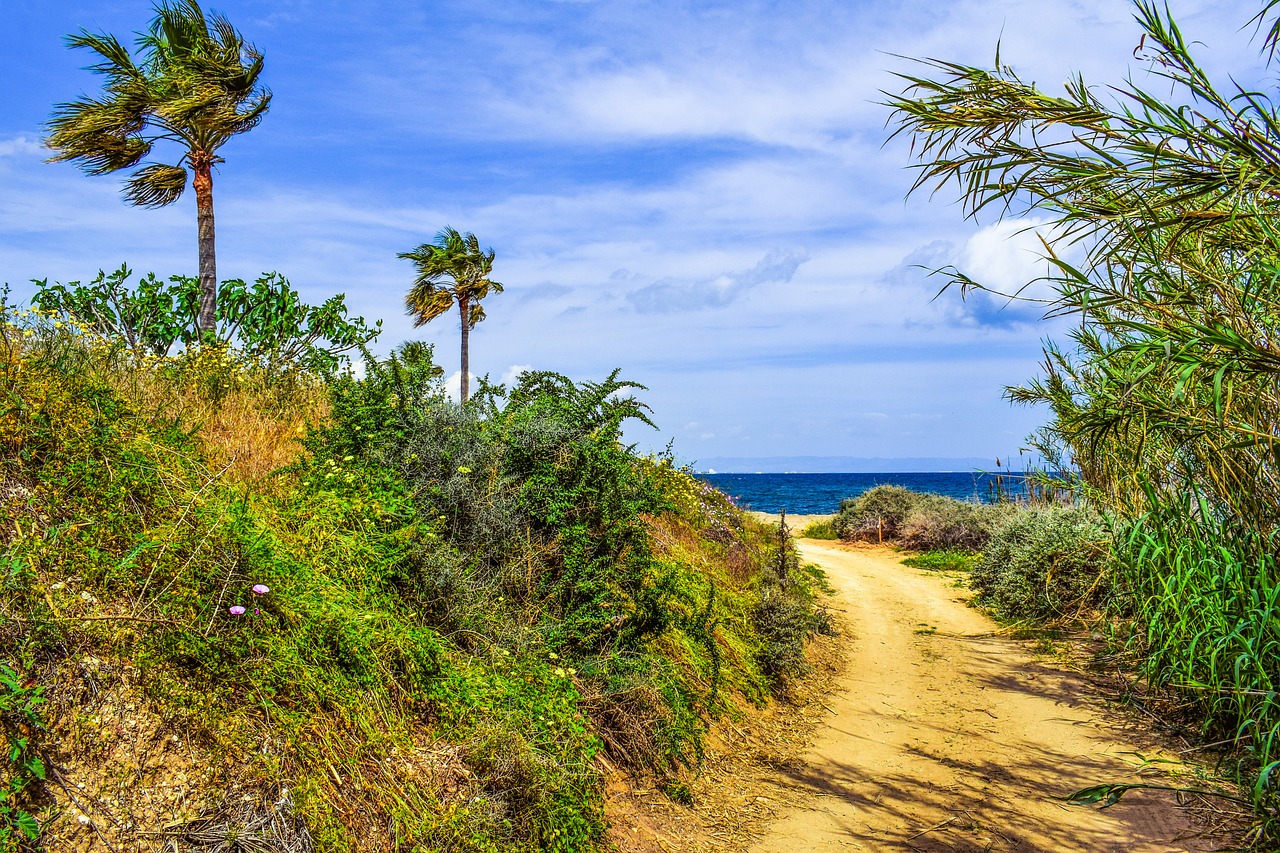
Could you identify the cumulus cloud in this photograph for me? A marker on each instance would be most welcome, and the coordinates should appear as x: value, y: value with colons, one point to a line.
x: 631, y: 164
x: 1007, y: 259
x: 672, y: 295
x: 512, y: 374
x: 21, y: 146
x: 453, y: 386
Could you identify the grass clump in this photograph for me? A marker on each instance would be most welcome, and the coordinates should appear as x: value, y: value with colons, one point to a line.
x: 943, y: 561
x: 823, y: 528
x: 432, y: 623
x: 1201, y: 610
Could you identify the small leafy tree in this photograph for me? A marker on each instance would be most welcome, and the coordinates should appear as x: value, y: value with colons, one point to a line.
x: 194, y: 83
x: 267, y: 318
x: 452, y: 270
x: 149, y: 317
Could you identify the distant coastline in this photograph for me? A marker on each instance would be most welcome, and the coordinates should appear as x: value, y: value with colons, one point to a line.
x: 848, y: 464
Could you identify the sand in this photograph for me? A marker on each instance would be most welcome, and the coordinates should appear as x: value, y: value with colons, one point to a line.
x: 943, y: 735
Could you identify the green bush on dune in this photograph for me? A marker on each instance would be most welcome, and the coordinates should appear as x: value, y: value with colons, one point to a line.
x: 921, y: 522
x: 1026, y: 561
x: 1044, y: 563
x: 322, y: 586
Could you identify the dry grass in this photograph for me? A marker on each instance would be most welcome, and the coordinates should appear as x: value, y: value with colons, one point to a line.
x: 251, y: 824
x: 249, y: 428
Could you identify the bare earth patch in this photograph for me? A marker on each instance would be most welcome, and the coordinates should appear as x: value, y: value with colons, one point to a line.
x: 737, y: 792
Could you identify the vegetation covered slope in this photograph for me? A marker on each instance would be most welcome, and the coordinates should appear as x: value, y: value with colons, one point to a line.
x: 351, y: 615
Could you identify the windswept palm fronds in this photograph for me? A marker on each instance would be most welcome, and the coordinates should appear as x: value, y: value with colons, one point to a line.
x: 193, y: 84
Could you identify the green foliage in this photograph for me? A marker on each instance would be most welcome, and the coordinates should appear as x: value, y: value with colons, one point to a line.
x: 586, y: 491
x: 823, y: 528
x: 1044, y: 563
x: 194, y: 81
x: 944, y: 561
x: 1165, y: 397
x: 531, y: 747
x: 876, y: 514
x: 193, y: 84
x: 941, y: 523
x: 918, y: 521
x: 503, y: 583
x: 1202, y: 593
x: 452, y: 270
x: 542, y: 509
x: 23, y: 769
x: 266, y: 320
x: 786, y: 616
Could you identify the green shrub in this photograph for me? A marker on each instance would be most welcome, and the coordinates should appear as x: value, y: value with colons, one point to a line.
x: 1044, y: 563
x: 875, y: 515
x: 918, y: 521
x: 786, y: 617
x: 504, y: 581
x: 266, y: 320
x: 938, y: 523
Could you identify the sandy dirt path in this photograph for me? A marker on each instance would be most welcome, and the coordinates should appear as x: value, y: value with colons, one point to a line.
x: 943, y: 737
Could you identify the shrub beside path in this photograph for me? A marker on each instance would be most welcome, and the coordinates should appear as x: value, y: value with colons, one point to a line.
x: 944, y: 736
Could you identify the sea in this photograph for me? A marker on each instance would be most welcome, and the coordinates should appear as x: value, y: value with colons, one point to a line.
x: 816, y: 494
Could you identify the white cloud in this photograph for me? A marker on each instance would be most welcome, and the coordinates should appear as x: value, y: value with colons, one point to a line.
x: 1009, y: 259
x: 21, y: 146
x: 512, y: 374
x: 671, y: 295
x: 453, y: 386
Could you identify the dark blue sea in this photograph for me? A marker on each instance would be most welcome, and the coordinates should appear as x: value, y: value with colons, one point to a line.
x: 811, y: 494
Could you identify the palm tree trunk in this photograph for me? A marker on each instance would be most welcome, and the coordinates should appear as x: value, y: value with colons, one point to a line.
x: 464, y: 306
x: 206, y: 321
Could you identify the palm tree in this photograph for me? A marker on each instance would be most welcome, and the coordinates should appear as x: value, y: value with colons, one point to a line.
x: 195, y: 83
x: 451, y: 270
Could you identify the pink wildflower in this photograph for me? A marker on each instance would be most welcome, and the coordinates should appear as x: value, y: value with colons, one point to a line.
x: 261, y: 589
x: 235, y: 610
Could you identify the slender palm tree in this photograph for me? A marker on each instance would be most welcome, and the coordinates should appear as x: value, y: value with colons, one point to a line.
x: 194, y: 82
x: 451, y: 270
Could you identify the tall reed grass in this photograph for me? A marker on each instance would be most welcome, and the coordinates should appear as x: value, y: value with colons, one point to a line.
x: 1202, y: 596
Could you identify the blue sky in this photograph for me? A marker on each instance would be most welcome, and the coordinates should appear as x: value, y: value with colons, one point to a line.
x: 696, y: 193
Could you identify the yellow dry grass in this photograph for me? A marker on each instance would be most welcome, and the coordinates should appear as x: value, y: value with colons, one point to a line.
x: 249, y: 423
